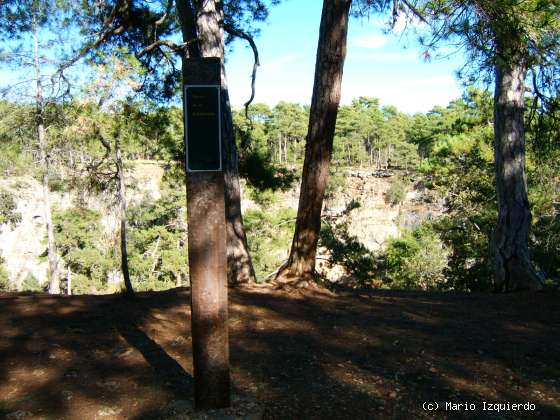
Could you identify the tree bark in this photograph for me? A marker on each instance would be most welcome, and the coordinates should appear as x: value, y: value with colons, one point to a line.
x: 208, y: 20
x: 178, y: 279
x: 129, y: 291
x: 331, y: 52
x: 513, y: 269
x: 202, y: 28
x: 240, y: 266
x: 69, y: 281
x: 208, y: 266
x: 54, y: 281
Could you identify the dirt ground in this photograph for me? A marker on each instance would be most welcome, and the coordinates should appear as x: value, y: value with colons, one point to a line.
x: 299, y: 355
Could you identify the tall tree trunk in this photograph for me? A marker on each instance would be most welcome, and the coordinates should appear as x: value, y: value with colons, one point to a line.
x: 331, y: 52
x: 54, y: 281
x: 368, y: 142
x: 129, y: 291
x: 386, y: 158
x: 178, y: 279
x: 204, y: 19
x: 513, y: 268
x: 68, y: 281
x: 239, y: 264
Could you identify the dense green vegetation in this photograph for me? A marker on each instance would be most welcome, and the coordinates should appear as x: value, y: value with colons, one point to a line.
x: 8, y: 213
x: 448, y: 151
x: 3, y: 276
x: 475, y: 156
x: 351, y: 198
x: 82, y: 246
x: 158, y: 241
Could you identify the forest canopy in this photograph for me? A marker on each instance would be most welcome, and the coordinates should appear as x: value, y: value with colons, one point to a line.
x: 94, y: 110
x: 447, y: 152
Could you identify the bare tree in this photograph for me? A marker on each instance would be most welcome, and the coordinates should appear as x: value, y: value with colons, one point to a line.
x: 54, y: 281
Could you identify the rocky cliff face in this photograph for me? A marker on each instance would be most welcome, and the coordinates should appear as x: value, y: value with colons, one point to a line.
x: 23, y: 246
x: 376, y: 221
x: 373, y: 223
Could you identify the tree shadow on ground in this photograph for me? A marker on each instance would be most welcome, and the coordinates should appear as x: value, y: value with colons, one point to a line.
x: 382, y: 355
x: 304, y: 355
x: 179, y: 381
x: 83, y: 356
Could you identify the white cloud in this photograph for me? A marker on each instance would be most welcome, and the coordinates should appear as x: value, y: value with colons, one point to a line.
x: 405, y: 22
x: 372, y: 41
x: 412, y: 95
x: 445, y: 80
x: 285, y: 78
x: 279, y: 63
x: 383, y: 56
x: 289, y: 77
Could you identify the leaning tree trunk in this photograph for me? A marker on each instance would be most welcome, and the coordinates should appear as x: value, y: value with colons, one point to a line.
x: 207, y: 19
x: 331, y: 52
x: 513, y: 269
x: 129, y: 291
x: 54, y: 281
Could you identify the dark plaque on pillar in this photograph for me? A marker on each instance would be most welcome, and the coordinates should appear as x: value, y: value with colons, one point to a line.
x: 206, y: 232
x: 203, y: 128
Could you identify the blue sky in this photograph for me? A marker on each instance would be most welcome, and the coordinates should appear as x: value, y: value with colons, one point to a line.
x: 388, y: 67
x: 380, y: 65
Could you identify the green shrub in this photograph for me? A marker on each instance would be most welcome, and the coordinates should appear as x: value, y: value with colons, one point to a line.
x: 264, y: 198
x: 7, y: 209
x: 80, y: 241
x: 14, y: 161
x: 4, y: 280
x: 57, y: 183
x: 269, y: 235
x: 84, y: 284
x: 259, y: 171
x: 544, y: 196
x: 31, y: 284
x: 550, y: 284
x: 396, y: 192
x: 335, y: 182
x: 157, y: 245
x: 470, y: 216
x: 417, y: 260
x: 346, y: 250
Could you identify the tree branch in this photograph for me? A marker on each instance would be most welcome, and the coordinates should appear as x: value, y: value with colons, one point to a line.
x: 414, y: 11
x: 187, y: 19
x: 240, y: 34
x: 105, y: 33
x: 159, y: 22
x: 165, y: 14
x: 162, y: 43
x: 106, y: 144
